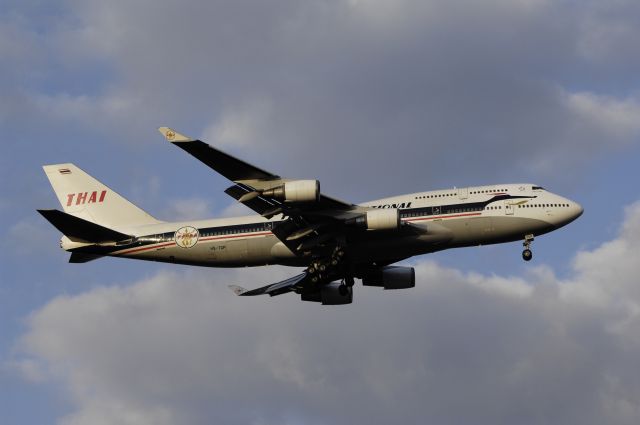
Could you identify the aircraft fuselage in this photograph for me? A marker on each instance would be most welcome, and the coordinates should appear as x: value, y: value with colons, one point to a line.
x: 434, y: 221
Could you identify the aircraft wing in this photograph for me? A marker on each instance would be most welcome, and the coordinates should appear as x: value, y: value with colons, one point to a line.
x: 246, y: 176
x: 308, y: 224
x: 287, y: 285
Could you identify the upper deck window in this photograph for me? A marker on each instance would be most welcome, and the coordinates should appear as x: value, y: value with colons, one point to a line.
x: 537, y: 188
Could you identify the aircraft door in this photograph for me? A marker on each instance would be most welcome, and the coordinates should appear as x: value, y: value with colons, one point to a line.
x: 463, y: 192
x: 508, y: 208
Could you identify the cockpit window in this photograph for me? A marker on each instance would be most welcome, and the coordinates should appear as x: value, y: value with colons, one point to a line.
x: 537, y: 188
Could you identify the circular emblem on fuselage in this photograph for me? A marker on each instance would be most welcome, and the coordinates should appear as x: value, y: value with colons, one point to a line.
x: 186, y: 237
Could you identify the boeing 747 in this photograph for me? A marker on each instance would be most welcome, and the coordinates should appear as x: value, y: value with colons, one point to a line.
x: 296, y: 225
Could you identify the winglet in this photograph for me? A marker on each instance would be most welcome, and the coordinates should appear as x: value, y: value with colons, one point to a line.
x: 238, y: 290
x: 173, y: 136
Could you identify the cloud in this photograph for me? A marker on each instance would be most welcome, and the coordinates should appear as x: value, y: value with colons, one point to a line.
x: 303, y: 87
x: 460, y: 347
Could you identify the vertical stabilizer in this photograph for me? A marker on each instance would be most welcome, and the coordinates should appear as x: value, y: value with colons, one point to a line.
x: 83, y: 196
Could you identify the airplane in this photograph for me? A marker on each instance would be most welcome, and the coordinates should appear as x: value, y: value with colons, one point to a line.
x: 297, y: 225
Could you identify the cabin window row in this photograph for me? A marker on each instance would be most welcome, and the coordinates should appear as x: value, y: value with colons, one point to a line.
x: 475, y: 192
x: 441, y: 195
x: 444, y: 195
x: 544, y: 206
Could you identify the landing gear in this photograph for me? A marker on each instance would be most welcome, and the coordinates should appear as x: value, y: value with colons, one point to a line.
x: 527, y: 255
x: 324, y: 268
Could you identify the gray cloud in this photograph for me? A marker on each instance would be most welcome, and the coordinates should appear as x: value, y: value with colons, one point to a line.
x: 380, y: 92
x: 491, y: 89
x: 179, y: 347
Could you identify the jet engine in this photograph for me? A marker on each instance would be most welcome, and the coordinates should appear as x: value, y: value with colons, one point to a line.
x: 296, y: 191
x: 378, y: 219
x: 333, y: 293
x: 391, y: 277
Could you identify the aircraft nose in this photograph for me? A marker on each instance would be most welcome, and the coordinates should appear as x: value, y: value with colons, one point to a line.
x: 574, y: 211
x: 577, y: 209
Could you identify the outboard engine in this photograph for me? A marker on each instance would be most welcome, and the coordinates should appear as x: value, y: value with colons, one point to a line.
x: 391, y: 277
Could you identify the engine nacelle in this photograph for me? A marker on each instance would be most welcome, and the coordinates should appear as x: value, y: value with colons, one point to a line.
x: 391, y: 277
x: 378, y: 219
x: 296, y: 191
x: 333, y: 293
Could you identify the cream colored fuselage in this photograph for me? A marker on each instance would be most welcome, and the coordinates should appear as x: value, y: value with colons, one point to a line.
x: 440, y: 219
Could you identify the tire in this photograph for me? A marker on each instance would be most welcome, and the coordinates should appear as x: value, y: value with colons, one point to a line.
x: 527, y: 255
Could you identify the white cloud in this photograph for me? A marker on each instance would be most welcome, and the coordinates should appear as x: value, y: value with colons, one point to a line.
x: 460, y: 347
x: 240, y: 127
x: 617, y: 119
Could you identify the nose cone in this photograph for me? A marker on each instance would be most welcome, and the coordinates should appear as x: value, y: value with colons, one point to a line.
x: 577, y: 210
x: 568, y: 214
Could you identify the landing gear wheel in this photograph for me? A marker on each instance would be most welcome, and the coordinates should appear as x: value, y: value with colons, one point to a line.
x: 527, y: 255
x: 311, y: 270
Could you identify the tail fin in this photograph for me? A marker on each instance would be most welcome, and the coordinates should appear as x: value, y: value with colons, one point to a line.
x: 83, y: 196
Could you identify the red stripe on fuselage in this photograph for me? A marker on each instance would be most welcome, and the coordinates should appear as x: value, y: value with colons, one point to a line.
x: 209, y: 238
x: 146, y: 248
x: 212, y: 238
x: 246, y: 235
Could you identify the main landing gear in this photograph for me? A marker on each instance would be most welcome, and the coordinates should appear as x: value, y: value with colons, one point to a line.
x: 321, y: 269
x: 527, y: 255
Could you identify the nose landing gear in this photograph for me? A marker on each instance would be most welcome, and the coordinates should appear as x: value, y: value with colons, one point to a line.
x: 527, y: 255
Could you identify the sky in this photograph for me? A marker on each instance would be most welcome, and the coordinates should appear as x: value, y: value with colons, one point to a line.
x: 373, y: 98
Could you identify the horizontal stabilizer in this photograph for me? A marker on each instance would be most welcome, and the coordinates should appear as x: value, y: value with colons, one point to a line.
x: 79, y: 230
x: 81, y: 257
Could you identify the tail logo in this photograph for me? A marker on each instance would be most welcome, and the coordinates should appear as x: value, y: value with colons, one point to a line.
x: 85, y: 197
x: 186, y: 237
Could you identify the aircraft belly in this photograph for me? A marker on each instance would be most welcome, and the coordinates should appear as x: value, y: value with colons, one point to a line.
x: 471, y: 230
x: 390, y: 248
x: 254, y: 251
